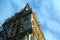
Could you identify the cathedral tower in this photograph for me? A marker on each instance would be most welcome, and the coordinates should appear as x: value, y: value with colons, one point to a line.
x: 23, y: 26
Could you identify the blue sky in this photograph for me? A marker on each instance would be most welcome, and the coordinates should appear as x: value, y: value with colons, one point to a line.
x: 47, y: 12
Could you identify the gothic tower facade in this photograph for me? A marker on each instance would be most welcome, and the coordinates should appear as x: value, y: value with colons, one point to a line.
x: 22, y: 26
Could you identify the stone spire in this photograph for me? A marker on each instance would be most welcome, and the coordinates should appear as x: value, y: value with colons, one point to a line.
x: 27, y: 7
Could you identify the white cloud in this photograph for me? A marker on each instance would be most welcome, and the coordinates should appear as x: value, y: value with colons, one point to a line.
x: 56, y: 6
x: 49, y: 35
x: 53, y: 25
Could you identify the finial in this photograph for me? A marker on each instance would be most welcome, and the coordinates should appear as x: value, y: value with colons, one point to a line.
x: 27, y: 7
